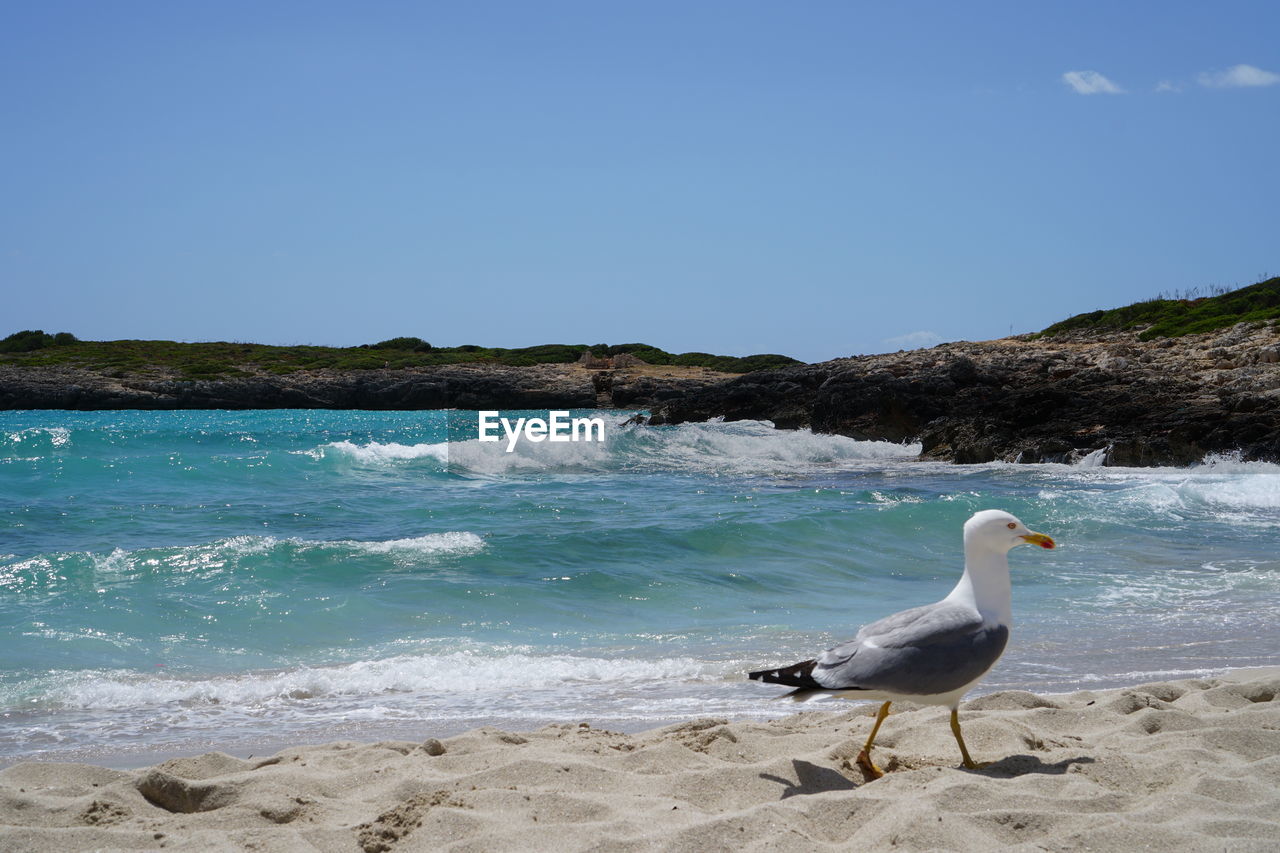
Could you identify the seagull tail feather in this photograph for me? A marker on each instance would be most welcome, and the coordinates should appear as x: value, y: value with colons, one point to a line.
x: 798, y: 675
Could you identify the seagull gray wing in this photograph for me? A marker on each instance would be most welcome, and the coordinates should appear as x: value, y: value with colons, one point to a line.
x: 923, y: 651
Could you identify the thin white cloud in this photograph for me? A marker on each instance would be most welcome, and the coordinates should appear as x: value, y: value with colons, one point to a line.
x: 1166, y: 86
x: 1238, y: 76
x: 914, y: 340
x: 1090, y: 83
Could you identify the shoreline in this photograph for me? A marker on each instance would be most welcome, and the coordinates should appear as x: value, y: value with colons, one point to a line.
x: 138, y: 756
x: 1184, y: 764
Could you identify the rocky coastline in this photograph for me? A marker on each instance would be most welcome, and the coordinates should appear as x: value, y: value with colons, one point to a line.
x: 460, y: 386
x: 1168, y: 401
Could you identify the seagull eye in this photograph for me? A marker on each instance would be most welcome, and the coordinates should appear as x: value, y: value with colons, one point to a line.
x: 1013, y: 525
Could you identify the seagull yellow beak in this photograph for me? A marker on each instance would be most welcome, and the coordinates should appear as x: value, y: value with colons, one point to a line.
x: 1038, y: 539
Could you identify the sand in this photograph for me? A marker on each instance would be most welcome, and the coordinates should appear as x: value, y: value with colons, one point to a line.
x: 1185, y: 765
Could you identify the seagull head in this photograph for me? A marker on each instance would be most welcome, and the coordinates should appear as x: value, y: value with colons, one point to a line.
x: 999, y: 531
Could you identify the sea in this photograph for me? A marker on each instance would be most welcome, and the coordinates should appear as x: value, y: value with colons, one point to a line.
x: 174, y: 582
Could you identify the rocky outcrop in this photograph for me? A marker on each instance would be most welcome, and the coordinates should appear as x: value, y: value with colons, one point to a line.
x: 1164, y: 402
x: 463, y: 386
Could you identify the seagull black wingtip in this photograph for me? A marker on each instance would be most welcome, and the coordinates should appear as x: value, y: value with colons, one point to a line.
x: 796, y: 675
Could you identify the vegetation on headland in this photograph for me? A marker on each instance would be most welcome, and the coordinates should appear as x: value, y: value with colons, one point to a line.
x: 29, y: 340
x: 35, y: 348
x: 1169, y: 318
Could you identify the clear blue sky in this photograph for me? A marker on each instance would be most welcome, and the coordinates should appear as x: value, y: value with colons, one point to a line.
x: 808, y: 178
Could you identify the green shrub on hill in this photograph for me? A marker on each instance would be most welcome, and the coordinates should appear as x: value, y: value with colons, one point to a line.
x: 30, y: 340
x: 724, y: 363
x: 762, y: 361
x: 1168, y: 318
x: 412, y: 344
x: 644, y: 352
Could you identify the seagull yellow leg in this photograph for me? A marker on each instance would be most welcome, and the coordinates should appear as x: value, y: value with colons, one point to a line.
x: 964, y: 752
x: 864, y: 758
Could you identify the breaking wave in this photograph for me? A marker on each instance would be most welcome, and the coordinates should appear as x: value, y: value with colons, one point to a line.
x: 35, y: 440
x: 715, y: 447
x: 259, y: 554
x: 376, y: 453
x: 456, y: 672
x: 1222, y: 486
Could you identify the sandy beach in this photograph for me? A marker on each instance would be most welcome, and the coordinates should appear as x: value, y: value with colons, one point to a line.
x: 1181, y: 765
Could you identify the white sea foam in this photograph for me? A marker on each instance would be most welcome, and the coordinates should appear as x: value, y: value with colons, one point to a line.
x: 218, y: 553
x: 458, y: 672
x: 1221, y: 486
x: 1224, y: 481
x: 456, y: 542
x: 755, y: 446
x: 77, y: 715
x: 1176, y: 589
x: 738, y: 447
x: 376, y: 453
x: 37, y: 438
x: 1093, y: 459
x: 492, y: 459
x: 716, y: 447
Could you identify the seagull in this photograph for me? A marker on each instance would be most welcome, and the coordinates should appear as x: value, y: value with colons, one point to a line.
x: 933, y: 654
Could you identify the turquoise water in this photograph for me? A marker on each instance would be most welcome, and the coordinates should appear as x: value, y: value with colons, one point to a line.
x: 171, y: 581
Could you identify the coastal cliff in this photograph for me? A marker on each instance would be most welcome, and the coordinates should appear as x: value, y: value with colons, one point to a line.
x: 1168, y: 401
x: 461, y: 386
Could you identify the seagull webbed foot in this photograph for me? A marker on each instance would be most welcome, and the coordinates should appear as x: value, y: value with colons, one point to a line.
x: 869, y: 768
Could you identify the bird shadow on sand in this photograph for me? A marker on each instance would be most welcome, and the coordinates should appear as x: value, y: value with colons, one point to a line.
x: 811, y: 779
x: 1025, y: 765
